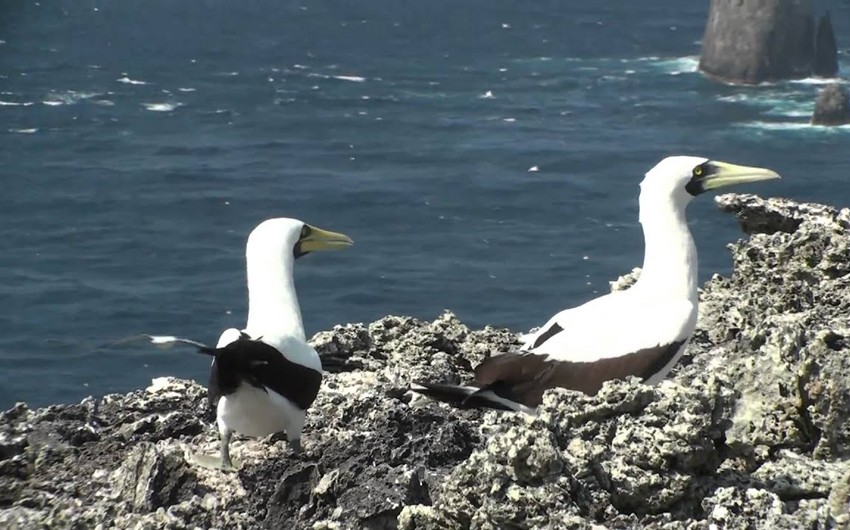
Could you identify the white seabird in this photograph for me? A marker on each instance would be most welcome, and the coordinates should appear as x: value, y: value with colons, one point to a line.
x: 265, y: 377
x: 642, y: 331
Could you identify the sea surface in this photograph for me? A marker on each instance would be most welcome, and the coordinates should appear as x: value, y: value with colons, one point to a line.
x: 484, y: 155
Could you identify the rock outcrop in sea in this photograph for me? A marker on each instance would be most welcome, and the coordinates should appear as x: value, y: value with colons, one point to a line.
x: 832, y: 106
x: 826, y: 49
x: 754, y: 41
x: 751, y: 430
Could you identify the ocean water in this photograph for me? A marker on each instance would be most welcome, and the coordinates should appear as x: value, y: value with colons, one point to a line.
x: 484, y: 155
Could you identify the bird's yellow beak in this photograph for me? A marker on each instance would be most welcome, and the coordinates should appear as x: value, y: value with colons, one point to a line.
x: 721, y: 174
x: 313, y: 239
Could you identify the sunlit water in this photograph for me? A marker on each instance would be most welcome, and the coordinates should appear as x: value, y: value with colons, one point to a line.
x: 484, y: 156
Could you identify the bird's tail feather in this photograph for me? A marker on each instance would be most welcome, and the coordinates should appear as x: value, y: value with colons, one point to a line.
x: 166, y: 341
x: 465, y: 397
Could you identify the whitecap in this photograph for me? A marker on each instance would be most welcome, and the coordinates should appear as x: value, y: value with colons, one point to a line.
x: 775, y: 104
x: 681, y: 65
x: 794, y: 126
x: 24, y: 131
x: 160, y: 107
x: 734, y: 98
x: 487, y: 95
x: 186, y: 89
x: 776, y: 126
x: 819, y: 81
x: 126, y: 80
x: 68, y: 97
x: 352, y: 78
x: 509, y: 120
x: 9, y: 104
x: 533, y: 169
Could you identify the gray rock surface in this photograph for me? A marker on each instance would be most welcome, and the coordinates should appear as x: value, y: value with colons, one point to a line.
x: 752, y: 430
x: 826, y: 49
x: 832, y: 106
x: 752, y: 41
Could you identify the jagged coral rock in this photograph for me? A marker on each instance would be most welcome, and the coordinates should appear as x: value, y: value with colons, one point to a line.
x: 750, y: 431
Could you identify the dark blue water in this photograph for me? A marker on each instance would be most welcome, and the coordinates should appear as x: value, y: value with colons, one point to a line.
x: 143, y: 140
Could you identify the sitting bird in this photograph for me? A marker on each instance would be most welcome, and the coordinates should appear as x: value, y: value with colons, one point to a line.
x: 642, y: 331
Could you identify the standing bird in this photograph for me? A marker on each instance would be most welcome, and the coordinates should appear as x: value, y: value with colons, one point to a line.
x: 641, y: 332
x: 264, y: 377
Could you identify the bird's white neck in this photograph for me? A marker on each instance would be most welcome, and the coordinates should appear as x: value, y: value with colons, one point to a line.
x: 273, y: 311
x: 670, y: 259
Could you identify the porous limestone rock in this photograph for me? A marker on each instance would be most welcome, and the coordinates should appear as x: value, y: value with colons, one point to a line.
x: 751, y: 430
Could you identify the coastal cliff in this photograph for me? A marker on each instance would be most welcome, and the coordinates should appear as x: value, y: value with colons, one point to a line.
x: 751, y: 430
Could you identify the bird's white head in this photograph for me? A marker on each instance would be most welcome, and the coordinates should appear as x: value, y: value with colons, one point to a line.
x: 290, y: 239
x: 273, y: 247
x: 681, y: 178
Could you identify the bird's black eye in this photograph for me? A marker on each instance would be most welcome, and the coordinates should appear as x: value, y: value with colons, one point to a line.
x: 305, y: 231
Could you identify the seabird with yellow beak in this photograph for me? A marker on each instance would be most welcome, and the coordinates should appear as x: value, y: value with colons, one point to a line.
x: 641, y: 332
x: 265, y: 377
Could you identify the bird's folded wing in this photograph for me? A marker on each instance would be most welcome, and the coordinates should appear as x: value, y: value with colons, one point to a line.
x: 613, y: 326
x: 263, y: 366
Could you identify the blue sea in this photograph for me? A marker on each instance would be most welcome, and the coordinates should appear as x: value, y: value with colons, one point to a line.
x: 484, y: 155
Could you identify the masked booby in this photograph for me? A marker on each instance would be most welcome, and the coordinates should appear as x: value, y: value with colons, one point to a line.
x: 642, y: 331
x: 264, y: 377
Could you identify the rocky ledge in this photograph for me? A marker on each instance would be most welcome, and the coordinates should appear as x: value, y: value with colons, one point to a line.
x: 752, y: 430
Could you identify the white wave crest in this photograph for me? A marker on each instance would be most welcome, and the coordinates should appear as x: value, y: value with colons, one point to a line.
x: 127, y: 81
x: 679, y: 66
x: 819, y: 81
x: 794, y: 126
x: 160, y: 107
x: 69, y: 97
x: 352, y: 78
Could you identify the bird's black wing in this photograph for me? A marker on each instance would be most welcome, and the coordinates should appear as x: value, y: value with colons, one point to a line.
x: 260, y: 365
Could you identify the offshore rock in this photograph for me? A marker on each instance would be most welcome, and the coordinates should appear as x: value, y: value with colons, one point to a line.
x: 751, y: 430
x: 826, y: 49
x: 752, y: 41
x: 832, y: 106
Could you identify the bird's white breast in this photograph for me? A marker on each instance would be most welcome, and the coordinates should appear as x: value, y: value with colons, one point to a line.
x: 253, y: 412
